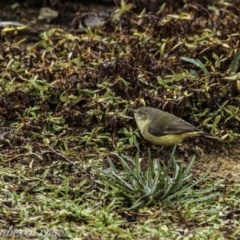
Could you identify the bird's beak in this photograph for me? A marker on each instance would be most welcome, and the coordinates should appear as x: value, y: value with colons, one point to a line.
x: 133, y: 110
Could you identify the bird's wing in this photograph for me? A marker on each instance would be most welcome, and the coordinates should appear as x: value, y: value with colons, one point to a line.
x: 173, y: 127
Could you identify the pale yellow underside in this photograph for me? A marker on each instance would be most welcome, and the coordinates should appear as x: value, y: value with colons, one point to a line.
x: 166, y: 140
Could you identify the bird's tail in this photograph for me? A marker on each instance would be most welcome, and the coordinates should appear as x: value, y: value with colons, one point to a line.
x: 209, y: 135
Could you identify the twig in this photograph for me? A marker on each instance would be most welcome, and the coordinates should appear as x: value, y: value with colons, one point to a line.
x: 60, y: 155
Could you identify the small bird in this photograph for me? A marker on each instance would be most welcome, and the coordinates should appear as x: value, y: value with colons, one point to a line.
x: 163, y: 128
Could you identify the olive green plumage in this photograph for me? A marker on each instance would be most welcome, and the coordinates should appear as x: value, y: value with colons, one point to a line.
x: 164, y: 128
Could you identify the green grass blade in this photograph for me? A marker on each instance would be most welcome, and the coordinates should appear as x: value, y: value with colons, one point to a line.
x: 197, y: 63
x: 235, y: 63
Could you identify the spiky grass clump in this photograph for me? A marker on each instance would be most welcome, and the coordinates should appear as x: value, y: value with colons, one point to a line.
x: 155, y: 184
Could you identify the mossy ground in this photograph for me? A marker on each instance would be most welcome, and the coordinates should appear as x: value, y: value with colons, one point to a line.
x: 62, y: 106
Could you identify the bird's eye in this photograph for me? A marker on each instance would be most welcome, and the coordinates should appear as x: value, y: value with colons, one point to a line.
x: 142, y: 113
